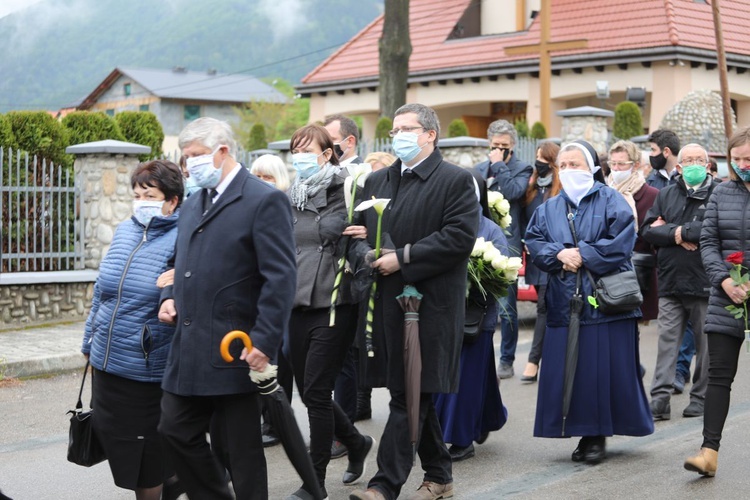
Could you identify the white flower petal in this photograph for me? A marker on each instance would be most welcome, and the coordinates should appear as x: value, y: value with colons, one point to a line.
x: 378, y: 204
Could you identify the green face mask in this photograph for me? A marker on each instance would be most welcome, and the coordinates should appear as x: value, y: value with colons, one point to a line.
x: 694, y: 174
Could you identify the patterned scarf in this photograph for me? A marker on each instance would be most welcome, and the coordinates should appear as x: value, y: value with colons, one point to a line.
x: 628, y: 187
x: 304, y: 189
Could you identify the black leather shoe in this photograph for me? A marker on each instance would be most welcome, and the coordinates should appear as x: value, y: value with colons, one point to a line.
x: 596, y: 451
x: 459, y: 453
x: 694, y: 409
x: 171, y: 490
x: 357, y: 461
x: 270, y: 439
x: 529, y: 379
x: 661, y: 410
x: 579, y: 454
x: 482, y: 438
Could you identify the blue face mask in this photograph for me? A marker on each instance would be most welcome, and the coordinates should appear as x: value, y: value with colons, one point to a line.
x: 744, y: 174
x: 190, y: 186
x: 145, y: 210
x: 306, y: 164
x: 202, y: 169
x: 405, y: 145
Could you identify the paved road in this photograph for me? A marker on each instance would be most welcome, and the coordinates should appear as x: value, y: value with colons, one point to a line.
x: 511, y: 464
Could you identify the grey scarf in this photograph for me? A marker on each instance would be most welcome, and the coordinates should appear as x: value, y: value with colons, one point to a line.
x: 304, y: 189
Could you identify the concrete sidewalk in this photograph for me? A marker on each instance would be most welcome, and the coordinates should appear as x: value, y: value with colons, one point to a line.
x: 41, y: 350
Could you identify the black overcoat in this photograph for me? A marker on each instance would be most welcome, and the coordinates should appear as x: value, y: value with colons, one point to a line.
x: 436, y: 211
x: 234, y: 270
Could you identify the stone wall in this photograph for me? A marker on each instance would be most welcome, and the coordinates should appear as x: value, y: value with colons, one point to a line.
x: 26, y: 305
x: 592, y: 129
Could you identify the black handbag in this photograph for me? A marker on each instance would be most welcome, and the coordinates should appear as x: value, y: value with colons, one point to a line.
x: 83, y: 446
x: 617, y: 293
x: 473, y: 320
x: 643, y: 265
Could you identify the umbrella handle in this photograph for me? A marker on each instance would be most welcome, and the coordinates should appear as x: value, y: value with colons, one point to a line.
x: 231, y: 336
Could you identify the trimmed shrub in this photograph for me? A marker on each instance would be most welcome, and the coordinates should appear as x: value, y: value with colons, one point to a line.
x: 87, y: 126
x: 382, y: 128
x: 6, y: 133
x: 257, y: 139
x: 522, y: 128
x: 39, y: 134
x: 142, y: 127
x: 458, y: 128
x: 538, y: 131
x: 628, y: 120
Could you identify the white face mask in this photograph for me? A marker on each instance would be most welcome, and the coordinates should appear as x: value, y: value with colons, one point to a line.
x: 620, y: 176
x: 576, y: 183
x: 202, y: 170
x: 145, y: 210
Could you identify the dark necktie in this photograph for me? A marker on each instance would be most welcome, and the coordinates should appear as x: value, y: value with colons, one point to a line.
x: 209, y: 200
x: 408, y: 173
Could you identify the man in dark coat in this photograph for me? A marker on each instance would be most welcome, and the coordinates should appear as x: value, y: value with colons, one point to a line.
x: 506, y: 173
x: 431, y: 221
x: 673, y: 225
x: 234, y: 270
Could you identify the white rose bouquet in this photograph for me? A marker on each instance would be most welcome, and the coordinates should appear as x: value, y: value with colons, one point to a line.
x: 499, y: 209
x: 491, y: 272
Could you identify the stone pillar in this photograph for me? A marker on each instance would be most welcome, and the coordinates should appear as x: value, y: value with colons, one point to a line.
x: 102, y: 175
x: 464, y: 151
x: 587, y: 123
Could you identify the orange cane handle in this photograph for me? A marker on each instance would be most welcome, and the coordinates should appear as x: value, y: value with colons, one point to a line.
x: 228, y: 338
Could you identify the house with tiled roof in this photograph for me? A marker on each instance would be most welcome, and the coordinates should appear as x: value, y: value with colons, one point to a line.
x: 461, y: 67
x: 177, y: 96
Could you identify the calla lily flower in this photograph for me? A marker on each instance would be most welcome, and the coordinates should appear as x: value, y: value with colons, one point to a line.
x: 378, y: 204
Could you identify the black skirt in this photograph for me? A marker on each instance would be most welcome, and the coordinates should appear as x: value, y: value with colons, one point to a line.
x: 125, y: 419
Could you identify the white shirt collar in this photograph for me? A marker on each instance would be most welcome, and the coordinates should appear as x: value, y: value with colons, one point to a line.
x: 227, y: 180
x: 404, y: 168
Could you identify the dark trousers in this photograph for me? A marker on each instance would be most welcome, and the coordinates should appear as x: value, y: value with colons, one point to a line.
x: 235, y: 423
x: 723, y: 356
x: 317, y: 353
x: 535, y: 354
x: 509, y: 326
x: 345, y: 390
x: 395, y: 455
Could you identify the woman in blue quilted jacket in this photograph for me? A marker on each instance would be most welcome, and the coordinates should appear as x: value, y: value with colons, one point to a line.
x: 124, y: 340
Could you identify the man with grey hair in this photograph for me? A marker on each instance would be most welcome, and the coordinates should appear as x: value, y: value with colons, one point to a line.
x: 431, y: 222
x: 509, y: 175
x: 235, y: 269
x: 673, y: 226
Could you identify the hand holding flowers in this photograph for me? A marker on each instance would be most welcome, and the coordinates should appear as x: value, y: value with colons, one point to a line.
x: 491, y: 272
x: 738, y: 291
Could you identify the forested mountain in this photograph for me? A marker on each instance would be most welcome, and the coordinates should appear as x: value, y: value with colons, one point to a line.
x: 57, y: 51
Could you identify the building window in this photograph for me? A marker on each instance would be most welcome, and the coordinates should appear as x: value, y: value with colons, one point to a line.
x: 110, y: 112
x: 143, y: 107
x: 192, y: 112
x: 126, y: 88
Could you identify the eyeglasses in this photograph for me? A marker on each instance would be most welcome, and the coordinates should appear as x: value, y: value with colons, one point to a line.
x: 693, y: 161
x: 396, y: 131
x: 620, y: 163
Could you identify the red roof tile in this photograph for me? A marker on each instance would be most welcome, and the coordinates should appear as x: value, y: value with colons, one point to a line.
x: 607, y: 26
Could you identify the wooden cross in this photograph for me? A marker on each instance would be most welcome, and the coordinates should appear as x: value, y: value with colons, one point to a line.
x: 544, y: 47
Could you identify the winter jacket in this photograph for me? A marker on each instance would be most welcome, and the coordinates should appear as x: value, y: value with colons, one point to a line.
x: 511, y: 180
x: 123, y: 334
x: 604, y: 225
x: 533, y: 276
x: 319, y: 244
x: 680, y: 271
x: 726, y: 229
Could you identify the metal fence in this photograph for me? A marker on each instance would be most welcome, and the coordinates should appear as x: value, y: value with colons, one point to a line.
x: 42, y: 218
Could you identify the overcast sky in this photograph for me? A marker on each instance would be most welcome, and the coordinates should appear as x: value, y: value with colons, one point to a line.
x: 8, y: 6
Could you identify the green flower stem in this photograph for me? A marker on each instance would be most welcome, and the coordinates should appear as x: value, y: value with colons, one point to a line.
x: 373, y: 289
x: 342, y: 260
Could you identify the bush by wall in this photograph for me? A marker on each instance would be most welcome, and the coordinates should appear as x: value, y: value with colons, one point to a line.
x: 6, y: 133
x: 87, y: 126
x: 522, y: 127
x: 257, y: 138
x: 39, y: 134
x: 458, y: 128
x: 538, y: 131
x: 628, y: 120
x: 382, y: 128
x: 142, y: 127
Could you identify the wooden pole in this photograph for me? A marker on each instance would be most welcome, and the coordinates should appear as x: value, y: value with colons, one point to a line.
x: 545, y: 66
x: 722, y: 65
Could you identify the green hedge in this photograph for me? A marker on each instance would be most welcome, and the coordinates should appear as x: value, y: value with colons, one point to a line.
x: 142, y: 127
x: 39, y: 134
x: 382, y: 128
x: 87, y: 126
x: 458, y: 128
x: 538, y: 131
x: 257, y: 139
x: 628, y: 120
x: 7, y: 139
x: 522, y: 127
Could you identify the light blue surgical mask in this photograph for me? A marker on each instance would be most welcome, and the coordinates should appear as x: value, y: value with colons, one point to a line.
x: 145, y: 210
x: 190, y: 186
x: 203, y: 171
x: 744, y: 174
x: 405, y: 145
x: 305, y: 164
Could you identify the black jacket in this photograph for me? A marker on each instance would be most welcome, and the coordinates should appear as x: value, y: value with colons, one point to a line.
x: 680, y: 271
x: 726, y: 229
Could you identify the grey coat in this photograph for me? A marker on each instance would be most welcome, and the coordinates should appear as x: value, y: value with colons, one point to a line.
x: 436, y: 211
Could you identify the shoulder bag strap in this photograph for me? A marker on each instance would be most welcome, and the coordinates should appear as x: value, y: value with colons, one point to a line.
x: 79, y: 404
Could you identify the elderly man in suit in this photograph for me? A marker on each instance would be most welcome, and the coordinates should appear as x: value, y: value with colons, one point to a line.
x: 431, y: 220
x: 234, y: 270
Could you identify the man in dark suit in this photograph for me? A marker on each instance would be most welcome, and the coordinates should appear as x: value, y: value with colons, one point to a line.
x: 431, y: 221
x: 234, y: 270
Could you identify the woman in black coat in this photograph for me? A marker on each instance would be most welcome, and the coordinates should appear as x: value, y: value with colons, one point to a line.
x: 726, y: 227
x: 317, y: 350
